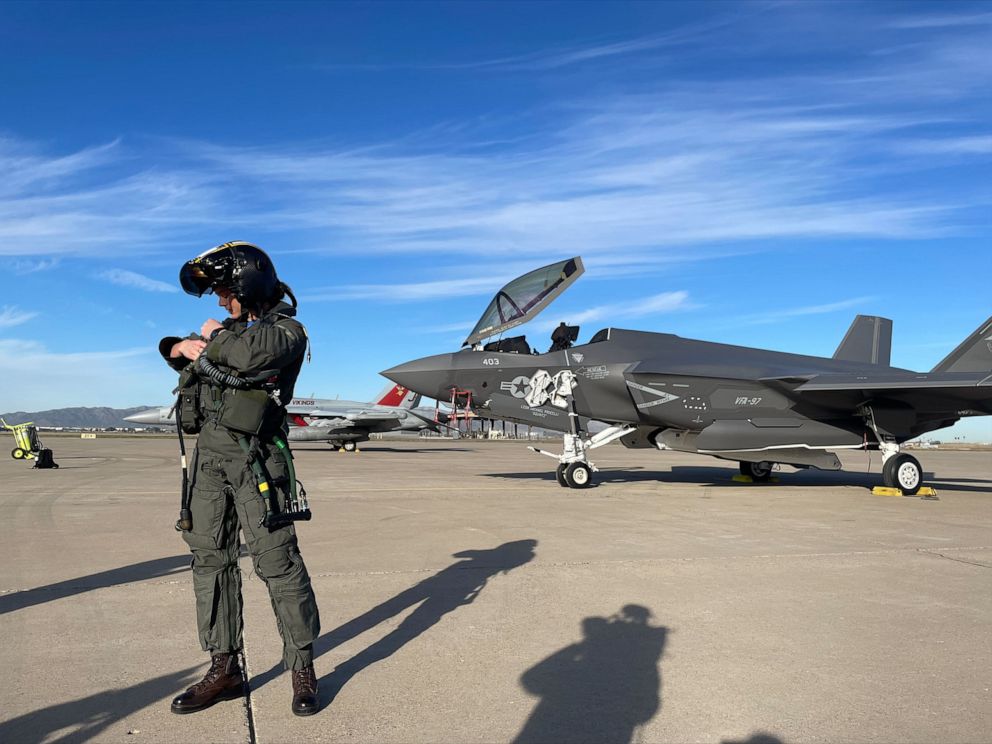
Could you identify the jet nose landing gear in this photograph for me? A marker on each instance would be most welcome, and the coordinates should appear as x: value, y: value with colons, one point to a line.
x: 574, y: 469
x: 574, y: 475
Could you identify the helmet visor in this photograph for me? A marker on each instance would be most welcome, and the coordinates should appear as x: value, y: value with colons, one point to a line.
x: 196, y: 277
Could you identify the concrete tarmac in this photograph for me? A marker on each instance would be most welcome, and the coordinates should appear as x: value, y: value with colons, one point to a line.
x: 466, y: 597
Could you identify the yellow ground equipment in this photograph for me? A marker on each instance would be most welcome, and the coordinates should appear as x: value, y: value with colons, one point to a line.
x: 28, y: 445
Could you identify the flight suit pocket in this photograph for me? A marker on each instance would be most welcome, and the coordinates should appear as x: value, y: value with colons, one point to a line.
x: 208, y: 500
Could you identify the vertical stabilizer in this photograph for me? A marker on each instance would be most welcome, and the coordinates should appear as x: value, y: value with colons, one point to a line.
x: 398, y: 396
x: 869, y: 339
x: 974, y: 354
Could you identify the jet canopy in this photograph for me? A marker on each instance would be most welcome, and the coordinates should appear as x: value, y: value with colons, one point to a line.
x: 522, y: 299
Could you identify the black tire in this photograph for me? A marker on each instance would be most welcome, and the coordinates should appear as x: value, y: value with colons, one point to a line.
x: 759, y: 472
x: 349, y: 446
x: 578, y: 475
x: 17, y: 453
x: 903, y: 472
x: 560, y: 475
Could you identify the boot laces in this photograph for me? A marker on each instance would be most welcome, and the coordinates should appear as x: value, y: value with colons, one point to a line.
x: 217, y: 669
x: 305, y: 681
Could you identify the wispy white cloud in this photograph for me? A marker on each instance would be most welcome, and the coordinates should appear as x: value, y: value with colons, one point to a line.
x: 125, y: 278
x: 642, y: 307
x: 592, y: 51
x: 408, y: 292
x: 942, y: 20
x: 23, y: 266
x: 777, y: 316
x: 975, y: 145
x: 11, y: 316
x: 659, y: 304
x: 642, y: 175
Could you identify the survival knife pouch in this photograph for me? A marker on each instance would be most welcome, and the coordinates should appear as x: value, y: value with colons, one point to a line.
x: 188, y: 402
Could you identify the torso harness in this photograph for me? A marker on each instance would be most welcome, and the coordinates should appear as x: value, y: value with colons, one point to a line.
x: 245, y: 402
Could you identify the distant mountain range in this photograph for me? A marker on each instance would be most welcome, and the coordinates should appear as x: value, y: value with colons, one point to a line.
x: 97, y: 418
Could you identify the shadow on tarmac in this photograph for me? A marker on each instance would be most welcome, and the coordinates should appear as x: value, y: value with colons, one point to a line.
x: 376, y: 448
x: 757, y: 738
x: 89, y: 717
x: 723, y: 477
x: 124, y: 575
x: 427, y: 450
x: 601, y: 689
x: 447, y: 590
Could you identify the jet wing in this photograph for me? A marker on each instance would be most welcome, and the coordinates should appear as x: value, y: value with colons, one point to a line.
x: 972, y: 391
x: 373, y: 416
x: 949, y: 382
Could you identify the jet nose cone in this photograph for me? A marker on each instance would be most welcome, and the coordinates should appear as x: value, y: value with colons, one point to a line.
x: 154, y: 416
x: 428, y: 376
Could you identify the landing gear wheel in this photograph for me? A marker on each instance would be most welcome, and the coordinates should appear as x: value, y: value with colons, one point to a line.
x: 578, y: 475
x: 349, y: 446
x: 17, y: 453
x: 758, y: 471
x: 560, y: 475
x: 903, y: 472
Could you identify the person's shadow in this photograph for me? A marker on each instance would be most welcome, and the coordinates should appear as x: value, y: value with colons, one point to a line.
x: 90, y: 717
x: 602, y: 688
x: 447, y: 590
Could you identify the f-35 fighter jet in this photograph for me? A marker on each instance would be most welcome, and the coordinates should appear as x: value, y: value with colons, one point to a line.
x: 657, y: 390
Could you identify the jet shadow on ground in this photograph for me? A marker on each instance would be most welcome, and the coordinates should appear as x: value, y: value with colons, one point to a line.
x: 376, y: 448
x: 447, y: 590
x: 759, y: 737
x: 602, y: 689
x: 153, y: 569
x: 723, y: 477
x: 90, y: 716
x: 413, y: 450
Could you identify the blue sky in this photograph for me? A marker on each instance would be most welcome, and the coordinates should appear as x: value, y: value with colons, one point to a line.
x: 752, y: 173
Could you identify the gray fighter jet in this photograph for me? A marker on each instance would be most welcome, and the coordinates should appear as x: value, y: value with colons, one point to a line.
x: 343, y: 423
x: 657, y: 390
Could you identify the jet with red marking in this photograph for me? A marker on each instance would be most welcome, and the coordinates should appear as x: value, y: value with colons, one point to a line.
x: 342, y: 423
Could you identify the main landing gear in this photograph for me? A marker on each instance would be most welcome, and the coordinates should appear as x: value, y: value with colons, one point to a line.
x: 899, y: 470
x: 574, y: 468
x: 904, y: 472
x: 759, y: 472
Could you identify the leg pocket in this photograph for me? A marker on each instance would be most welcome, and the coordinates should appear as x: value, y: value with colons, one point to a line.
x: 207, y: 504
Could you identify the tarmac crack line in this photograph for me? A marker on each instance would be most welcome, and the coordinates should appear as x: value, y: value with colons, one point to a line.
x: 936, y: 554
x: 249, y: 709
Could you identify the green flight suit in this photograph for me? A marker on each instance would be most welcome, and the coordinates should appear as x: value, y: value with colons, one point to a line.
x: 225, y: 499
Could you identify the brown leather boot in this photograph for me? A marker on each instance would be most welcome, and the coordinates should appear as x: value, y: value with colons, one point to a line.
x: 305, y: 701
x: 223, y: 681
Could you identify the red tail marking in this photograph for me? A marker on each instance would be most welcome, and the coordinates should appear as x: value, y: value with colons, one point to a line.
x: 297, y: 420
x: 394, y: 397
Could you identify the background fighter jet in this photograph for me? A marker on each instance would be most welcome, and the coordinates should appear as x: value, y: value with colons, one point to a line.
x: 737, y: 403
x: 343, y: 423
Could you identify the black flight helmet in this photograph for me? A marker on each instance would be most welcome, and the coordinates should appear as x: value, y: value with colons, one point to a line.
x: 242, y: 268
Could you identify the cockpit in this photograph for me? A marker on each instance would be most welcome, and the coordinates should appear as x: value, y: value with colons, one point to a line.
x: 563, y: 337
